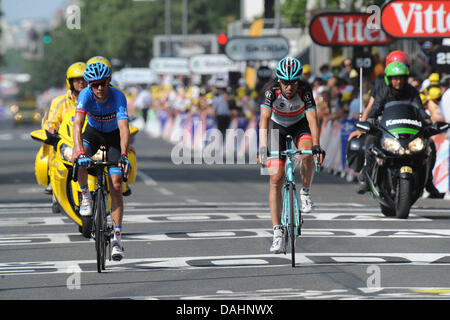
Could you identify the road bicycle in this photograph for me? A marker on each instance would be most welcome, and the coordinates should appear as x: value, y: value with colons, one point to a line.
x: 101, y: 221
x: 291, y: 215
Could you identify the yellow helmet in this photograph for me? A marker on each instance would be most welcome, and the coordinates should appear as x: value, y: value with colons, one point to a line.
x: 346, y: 96
x: 424, y: 98
x: 75, y: 70
x: 306, y: 68
x: 99, y: 59
x: 434, y: 93
x: 434, y: 79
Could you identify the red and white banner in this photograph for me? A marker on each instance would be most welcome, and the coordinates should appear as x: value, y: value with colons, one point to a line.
x: 416, y: 19
x: 345, y: 29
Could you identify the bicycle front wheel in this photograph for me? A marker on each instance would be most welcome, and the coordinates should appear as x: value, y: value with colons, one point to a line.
x: 292, y: 222
x: 100, y: 242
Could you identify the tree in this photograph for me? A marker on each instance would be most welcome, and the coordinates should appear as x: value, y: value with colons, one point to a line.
x: 123, y: 30
x: 1, y: 13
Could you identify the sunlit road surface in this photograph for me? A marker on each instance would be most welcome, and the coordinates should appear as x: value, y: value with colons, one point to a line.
x: 204, y: 232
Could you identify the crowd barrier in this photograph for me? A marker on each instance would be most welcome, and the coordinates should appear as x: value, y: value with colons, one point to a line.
x: 197, y: 131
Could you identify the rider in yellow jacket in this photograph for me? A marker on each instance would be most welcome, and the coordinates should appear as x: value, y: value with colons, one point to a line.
x: 68, y: 101
x: 63, y: 104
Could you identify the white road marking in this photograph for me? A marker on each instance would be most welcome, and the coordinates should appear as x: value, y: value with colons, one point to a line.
x: 30, y: 190
x: 65, y: 238
x: 208, y: 217
x: 220, y: 262
x: 165, y: 192
x: 6, y: 136
x: 293, y: 293
x: 148, y: 181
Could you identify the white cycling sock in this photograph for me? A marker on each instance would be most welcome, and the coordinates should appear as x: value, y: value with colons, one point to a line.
x: 85, y: 192
x: 304, y: 191
x: 118, y: 233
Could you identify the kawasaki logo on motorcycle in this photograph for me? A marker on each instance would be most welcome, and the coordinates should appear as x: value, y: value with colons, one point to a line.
x: 394, y: 122
x: 404, y: 121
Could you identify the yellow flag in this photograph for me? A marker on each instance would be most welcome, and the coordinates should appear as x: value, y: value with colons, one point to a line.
x: 250, y: 72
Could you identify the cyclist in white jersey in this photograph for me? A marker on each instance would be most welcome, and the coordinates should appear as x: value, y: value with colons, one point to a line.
x: 288, y: 108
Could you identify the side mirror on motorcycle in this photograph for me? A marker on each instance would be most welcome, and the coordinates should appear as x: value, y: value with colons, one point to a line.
x: 442, y: 126
x: 436, y: 128
x: 52, y: 139
x: 364, y: 126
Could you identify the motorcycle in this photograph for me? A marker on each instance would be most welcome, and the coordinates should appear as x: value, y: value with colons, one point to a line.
x: 54, y: 163
x: 400, y: 161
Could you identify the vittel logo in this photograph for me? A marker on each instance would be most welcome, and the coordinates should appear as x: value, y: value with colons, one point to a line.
x: 416, y: 18
x: 345, y: 29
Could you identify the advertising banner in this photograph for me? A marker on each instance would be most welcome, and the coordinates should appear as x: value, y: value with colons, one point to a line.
x: 416, y: 19
x: 345, y: 29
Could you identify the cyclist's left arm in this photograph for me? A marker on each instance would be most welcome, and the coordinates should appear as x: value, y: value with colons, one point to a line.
x: 122, y: 123
x: 313, y: 122
x: 311, y: 112
x: 124, y: 135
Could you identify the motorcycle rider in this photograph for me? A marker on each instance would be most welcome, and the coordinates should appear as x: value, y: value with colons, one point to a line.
x: 394, y: 56
x: 379, y: 84
x: 397, y: 89
x: 106, y: 110
x: 66, y: 102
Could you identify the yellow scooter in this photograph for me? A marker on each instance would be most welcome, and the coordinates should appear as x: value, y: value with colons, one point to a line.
x: 54, y: 162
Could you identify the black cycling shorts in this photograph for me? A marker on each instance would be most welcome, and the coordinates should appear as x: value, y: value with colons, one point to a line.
x: 93, y: 139
x: 297, y: 131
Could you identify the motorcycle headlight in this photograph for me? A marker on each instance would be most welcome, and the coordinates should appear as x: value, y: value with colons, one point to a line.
x: 417, y: 145
x: 66, y: 152
x: 393, y: 146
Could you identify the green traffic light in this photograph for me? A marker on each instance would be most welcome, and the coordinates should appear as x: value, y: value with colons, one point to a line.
x: 47, y: 39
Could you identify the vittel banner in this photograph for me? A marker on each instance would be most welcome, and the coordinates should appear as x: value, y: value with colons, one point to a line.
x: 346, y: 29
x: 416, y: 19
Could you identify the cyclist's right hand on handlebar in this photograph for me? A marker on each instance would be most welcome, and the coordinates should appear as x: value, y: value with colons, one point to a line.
x: 262, y: 157
x: 83, y: 160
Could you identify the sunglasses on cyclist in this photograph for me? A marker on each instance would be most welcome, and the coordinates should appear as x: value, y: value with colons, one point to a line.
x: 289, y: 82
x: 100, y: 83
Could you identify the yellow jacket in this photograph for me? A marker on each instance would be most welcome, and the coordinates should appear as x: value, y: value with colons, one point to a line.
x: 58, y: 108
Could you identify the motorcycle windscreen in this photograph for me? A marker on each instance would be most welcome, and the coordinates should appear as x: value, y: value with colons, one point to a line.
x: 401, y: 118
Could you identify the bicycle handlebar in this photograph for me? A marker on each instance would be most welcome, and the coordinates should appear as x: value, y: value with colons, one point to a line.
x: 94, y: 164
x: 292, y: 154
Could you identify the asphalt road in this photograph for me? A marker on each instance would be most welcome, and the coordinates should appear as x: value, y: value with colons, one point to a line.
x: 203, y: 232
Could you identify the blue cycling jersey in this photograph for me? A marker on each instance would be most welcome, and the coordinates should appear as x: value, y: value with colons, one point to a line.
x: 103, y: 116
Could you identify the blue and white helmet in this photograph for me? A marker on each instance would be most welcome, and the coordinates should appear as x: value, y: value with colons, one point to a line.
x: 96, y: 71
x: 289, y: 69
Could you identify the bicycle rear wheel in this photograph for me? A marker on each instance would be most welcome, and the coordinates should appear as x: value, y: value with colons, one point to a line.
x: 100, y: 241
x: 292, y: 223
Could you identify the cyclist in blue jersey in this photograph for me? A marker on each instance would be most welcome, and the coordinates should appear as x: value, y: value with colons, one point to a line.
x: 288, y: 108
x: 106, y: 110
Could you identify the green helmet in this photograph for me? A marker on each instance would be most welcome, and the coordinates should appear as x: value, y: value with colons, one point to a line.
x: 395, y: 69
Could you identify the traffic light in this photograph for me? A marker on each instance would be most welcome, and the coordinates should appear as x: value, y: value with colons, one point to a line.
x: 222, y: 40
x: 47, y: 38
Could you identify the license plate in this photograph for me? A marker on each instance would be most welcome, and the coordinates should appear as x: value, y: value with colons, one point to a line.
x: 406, y: 170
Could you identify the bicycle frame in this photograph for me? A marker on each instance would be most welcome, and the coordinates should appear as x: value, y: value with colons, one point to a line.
x: 290, y: 180
x: 291, y: 216
x: 101, y: 229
